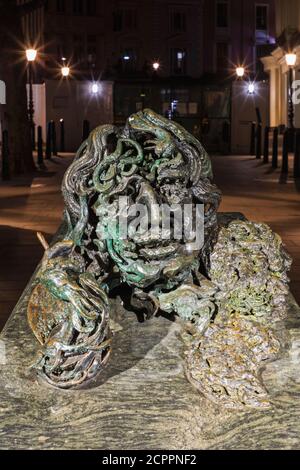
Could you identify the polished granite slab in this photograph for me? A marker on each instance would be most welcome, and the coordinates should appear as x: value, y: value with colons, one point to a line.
x: 142, y: 400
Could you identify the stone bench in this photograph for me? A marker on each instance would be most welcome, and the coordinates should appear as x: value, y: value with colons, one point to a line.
x: 142, y: 400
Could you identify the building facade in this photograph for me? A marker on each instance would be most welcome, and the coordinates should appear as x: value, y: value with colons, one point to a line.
x: 197, y: 45
x: 288, y: 34
x: 235, y: 31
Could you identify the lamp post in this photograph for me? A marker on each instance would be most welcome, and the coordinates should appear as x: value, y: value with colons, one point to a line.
x: 290, y: 59
x: 31, y: 56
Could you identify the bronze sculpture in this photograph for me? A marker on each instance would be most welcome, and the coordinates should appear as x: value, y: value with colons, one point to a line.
x: 229, y: 292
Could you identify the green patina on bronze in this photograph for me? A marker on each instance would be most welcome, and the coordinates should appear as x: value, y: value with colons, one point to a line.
x: 230, y: 293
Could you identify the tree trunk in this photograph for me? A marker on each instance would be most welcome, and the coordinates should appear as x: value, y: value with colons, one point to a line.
x: 13, y: 70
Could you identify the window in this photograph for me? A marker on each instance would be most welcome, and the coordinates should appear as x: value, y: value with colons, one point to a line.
x: 130, y: 19
x: 178, y: 21
x: 60, y: 6
x: 60, y: 47
x: 261, y: 17
x: 178, y: 61
x: 117, y: 21
x: 91, y: 49
x: 222, y: 56
x: 222, y: 15
x: 91, y: 7
x: 124, y: 20
x: 128, y: 60
x: 78, y: 7
x: 78, y: 48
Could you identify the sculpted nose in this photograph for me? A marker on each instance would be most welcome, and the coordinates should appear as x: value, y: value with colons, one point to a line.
x: 149, y: 207
x: 147, y: 197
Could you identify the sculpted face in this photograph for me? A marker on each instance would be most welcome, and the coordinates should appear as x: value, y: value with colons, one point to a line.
x: 148, y: 176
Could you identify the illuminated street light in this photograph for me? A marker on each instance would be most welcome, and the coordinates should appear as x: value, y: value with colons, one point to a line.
x: 240, y: 71
x: 251, y: 88
x: 290, y: 59
x: 95, y: 88
x: 65, y: 71
x: 155, y: 65
x: 126, y: 57
x: 31, y: 55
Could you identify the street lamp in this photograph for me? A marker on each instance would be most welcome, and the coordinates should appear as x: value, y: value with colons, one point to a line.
x: 155, y: 66
x: 291, y: 60
x: 31, y: 56
x: 65, y: 71
x: 240, y: 71
x: 95, y: 88
x: 251, y: 88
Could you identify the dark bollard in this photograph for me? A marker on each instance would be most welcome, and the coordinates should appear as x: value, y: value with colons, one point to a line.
x: 85, y: 129
x: 53, y: 138
x: 62, y: 135
x: 275, y: 148
x: 40, y: 159
x: 285, y: 153
x: 33, y: 136
x: 297, y: 155
x: 258, y: 140
x: 252, y: 141
x: 291, y: 139
x: 5, y: 156
x: 48, y: 141
x: 266, y: 145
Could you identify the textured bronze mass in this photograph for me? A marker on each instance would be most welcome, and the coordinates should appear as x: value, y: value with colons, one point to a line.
x: 229, y: 293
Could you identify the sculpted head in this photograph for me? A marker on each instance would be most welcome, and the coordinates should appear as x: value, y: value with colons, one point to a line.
x: 152, y: 178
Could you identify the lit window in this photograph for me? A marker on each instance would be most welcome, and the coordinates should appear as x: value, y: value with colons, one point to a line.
x: 129, y: 60
x: 178, y: 61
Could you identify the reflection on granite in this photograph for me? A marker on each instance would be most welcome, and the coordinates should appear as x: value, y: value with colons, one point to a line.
x: 142, y: 400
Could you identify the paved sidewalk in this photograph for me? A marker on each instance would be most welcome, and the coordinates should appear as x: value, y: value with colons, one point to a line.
x: 28, y: 205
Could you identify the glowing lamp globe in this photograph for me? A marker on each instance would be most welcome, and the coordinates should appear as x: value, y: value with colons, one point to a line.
x: 95, y: 88
x: 240, y: 71
x: 31, y: 55
x: 290, y: 59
